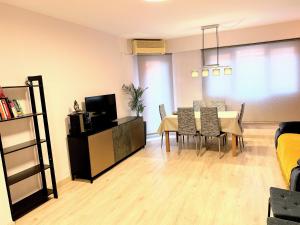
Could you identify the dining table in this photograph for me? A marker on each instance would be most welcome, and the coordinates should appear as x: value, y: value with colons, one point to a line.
x: 228, y: 123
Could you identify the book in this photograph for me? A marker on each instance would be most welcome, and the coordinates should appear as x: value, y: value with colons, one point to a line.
x: 12, y: 107
x: 18, y: 107
x: 2, y: 111
x: 6, y: 109
x: 9, y: 108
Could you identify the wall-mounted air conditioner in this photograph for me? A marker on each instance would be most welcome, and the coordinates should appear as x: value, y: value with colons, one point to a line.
x: 148, y: 47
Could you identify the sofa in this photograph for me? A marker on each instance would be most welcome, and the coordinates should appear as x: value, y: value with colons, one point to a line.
x: 287, y: 143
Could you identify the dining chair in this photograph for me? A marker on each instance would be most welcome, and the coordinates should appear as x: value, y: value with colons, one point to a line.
x: 197, y: 104
x: 240, y: 119
x: 187, y: 125
x: 220, y: 104
x: 210, y: 127
x: 163, y: 114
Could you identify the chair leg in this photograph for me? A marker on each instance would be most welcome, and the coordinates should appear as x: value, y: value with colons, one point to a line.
x: 226, y: 139
x: 240, y: 143
x: 196, y: 143
x: 161, y: 141
x: 243, y: 141
x: 177, y: 137
x: 200, y: 145
x: 180, y: 144
x: 219, y: 139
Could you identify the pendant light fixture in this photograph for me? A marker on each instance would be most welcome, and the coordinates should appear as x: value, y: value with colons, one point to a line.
x: 216, y: 67
x: 195, y: 73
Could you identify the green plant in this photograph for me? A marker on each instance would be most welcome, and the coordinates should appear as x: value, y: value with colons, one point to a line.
x: 136, y: 102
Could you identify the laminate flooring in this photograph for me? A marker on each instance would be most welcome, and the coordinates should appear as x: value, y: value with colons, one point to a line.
x: 158, y: 188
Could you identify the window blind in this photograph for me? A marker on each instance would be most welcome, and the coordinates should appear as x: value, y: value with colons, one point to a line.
x: 265, y: 76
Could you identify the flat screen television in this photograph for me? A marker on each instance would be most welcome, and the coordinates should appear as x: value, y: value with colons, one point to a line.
x: 102, y: 106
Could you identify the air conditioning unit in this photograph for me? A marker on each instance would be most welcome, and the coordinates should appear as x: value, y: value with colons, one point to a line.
x: 148, y: 47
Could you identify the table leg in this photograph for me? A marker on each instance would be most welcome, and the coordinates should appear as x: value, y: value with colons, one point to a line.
x: 233, y: 144
x: 167, y: 141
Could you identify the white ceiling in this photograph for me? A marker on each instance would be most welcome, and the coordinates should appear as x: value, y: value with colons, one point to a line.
x: 167, y: 19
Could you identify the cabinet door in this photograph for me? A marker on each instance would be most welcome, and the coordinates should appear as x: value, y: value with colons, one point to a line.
x: 101, y: 151
x: 121, y: 139
x: 79, y: 157
x: 137, y: 136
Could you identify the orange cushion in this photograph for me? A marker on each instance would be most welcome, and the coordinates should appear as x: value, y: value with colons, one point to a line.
x: 288, y: 153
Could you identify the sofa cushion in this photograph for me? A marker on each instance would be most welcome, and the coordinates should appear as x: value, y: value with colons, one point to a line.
x: 288, y: 152
x: 276, y: 221
x: 285, y: 204
x: 287, y: 127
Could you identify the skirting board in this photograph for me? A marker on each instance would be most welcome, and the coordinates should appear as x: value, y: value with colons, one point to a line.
x: 63, y: 181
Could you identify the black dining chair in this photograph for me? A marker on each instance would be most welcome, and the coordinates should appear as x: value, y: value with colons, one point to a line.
x: 220, y: 104
x: 187, y: 125
x: 197, y: 104
x: 210, y: 126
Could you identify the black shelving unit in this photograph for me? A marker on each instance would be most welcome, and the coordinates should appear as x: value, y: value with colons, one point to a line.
x: 32, y: 201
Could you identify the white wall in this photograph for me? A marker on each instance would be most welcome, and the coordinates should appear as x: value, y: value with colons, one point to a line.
x: 271, y: 32
x: 75, y: 62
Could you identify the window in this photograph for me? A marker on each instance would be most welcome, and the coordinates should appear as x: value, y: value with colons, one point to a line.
x: 155, y: 72
x: 265, y: 76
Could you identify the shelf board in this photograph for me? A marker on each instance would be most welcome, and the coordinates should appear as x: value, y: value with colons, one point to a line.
x: 22, y: 117
x: 29, y: 203
x: 21, y: 146
x: 25, y: 174
x: 20, y: 86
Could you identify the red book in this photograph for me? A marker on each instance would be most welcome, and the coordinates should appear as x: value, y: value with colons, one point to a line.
x: 2, y: 111
x: 6, y: 109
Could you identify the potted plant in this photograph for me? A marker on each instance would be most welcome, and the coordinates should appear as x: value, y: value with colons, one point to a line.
x: 136, y: 102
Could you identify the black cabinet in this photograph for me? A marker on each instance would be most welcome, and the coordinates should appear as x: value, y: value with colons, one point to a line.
x: 19, y: 208
x: 94, y: 152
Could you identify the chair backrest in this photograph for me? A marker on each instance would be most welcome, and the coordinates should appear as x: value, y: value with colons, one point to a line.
x: 241, y: 112
x: 186, y: 121
x: 197, y: 104
x: 210, y: 125
x: 162, y: 111
x: 241, y: 115
x: 220, y: 104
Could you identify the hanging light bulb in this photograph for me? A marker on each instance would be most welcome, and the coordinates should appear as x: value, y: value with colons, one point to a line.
x: 227, y: 71
x: 216, y: 72
x: 195, y: 73
x: 205, y: 72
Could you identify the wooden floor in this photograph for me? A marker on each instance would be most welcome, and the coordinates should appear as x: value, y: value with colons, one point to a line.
x: 153, y: 187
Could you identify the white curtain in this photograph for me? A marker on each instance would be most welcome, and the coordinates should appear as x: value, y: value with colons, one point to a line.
x: 155, y: 72
x: 265, y: 76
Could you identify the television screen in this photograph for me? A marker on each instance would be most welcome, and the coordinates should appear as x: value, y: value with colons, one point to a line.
x: 103, y: 106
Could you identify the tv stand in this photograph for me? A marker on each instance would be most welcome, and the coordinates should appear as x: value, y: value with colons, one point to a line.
x: 95, y: 151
